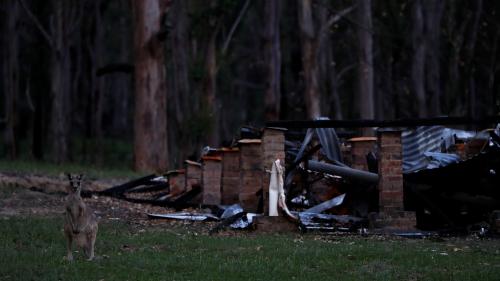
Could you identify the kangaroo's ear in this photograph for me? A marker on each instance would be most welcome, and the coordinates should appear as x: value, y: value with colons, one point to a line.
x: 71, y: 179
x: 69, y: 188
x: 79, y: 189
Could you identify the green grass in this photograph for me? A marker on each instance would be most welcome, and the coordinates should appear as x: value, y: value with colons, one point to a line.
x: 111, y: 158
x: 50, y: 169
x: 32, y: 249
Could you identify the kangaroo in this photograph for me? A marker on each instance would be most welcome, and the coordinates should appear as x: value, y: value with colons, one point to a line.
x: 80, y: 221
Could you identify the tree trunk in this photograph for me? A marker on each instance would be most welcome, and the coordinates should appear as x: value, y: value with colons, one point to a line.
x: 323, y: 57
x: 453, y: 98
x: 97, y: 54
x: 473, y: 110
x: 309, y: 62
x: 180, y: 47
x: 491, y: 100
x: 63, y: 23
x: 333, y: 82
x: 60, y: 70
x: 272, y: 57
x: 209, y: 83
x: 433, y: 11
x: 120, y: 83
x: 365, y: 58
x: 150, y: 122
x: 418, y: 59
x: 11, y: 76
x: 182, y: 97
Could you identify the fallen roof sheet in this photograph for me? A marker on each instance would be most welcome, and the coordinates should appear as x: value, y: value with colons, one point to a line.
x: 336, y: 201
x: 421, y: 140
x: 185, y: 216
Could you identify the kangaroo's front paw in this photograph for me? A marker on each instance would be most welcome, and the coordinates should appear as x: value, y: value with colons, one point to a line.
x: 68, y: 257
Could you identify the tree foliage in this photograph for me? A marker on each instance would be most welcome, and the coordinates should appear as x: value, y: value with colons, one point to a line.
x: 67, y: 83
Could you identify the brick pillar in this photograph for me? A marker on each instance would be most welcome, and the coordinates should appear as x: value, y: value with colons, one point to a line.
x: 193, y: 178
x: 273, y: 147
x: 176, y: 182
x: 359, y: 148
x: 211, y: 180
x: 390, y: 183
x: 250, y: 174
x: 230, y: 175
x: 193, y: 174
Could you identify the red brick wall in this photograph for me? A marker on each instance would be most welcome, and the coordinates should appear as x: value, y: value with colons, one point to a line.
x: 250, y: 174
x: 390, y: 186
x: 211, y: 180
x: 177, y: 182
x: 193, y: 178
x: 230, y: 176
x: 360, y: 147
x: 390, y: 171
x: 193, y: 175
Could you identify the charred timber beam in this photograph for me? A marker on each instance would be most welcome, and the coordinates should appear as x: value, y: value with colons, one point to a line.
x: 345, y: 172
x: 152, y: 188
x: 120, y: 189
x: 301, y: 124
x: 183, y: 200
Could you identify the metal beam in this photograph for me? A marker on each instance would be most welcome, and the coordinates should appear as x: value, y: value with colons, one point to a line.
x: 300, y: 124
x: 346, y: 172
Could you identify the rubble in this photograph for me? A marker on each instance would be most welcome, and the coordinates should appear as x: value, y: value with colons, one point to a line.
x: 329, y: 222
x: 185, y: 216
x: 417, y: 180
x: 326, y: 205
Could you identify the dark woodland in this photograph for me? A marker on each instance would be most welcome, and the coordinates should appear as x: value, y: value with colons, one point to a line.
x: 147, y: 84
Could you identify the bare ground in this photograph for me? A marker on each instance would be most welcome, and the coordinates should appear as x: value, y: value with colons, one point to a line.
x: 25, y: 197
x: 44, y: 197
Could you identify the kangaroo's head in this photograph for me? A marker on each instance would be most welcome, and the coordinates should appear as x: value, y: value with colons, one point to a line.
x: 75, y: 207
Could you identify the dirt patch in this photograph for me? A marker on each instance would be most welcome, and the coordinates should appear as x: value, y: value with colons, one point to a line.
x: 16, y: 201
x: 52, y: 184
x: 21, y: 201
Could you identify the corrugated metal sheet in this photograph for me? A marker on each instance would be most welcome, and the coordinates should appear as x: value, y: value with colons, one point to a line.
x: 418, y: 141
x: 422, y: 147
x: 330, y: 144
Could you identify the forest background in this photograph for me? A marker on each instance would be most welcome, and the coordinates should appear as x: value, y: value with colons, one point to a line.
x: 147, y: 84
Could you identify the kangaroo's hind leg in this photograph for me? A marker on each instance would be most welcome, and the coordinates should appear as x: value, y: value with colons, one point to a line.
x: 69, y: 244
x: 91, y: 237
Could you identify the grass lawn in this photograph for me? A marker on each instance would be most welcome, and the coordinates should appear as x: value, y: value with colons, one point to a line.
x: 32, y: 249
x: 49, y: 169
